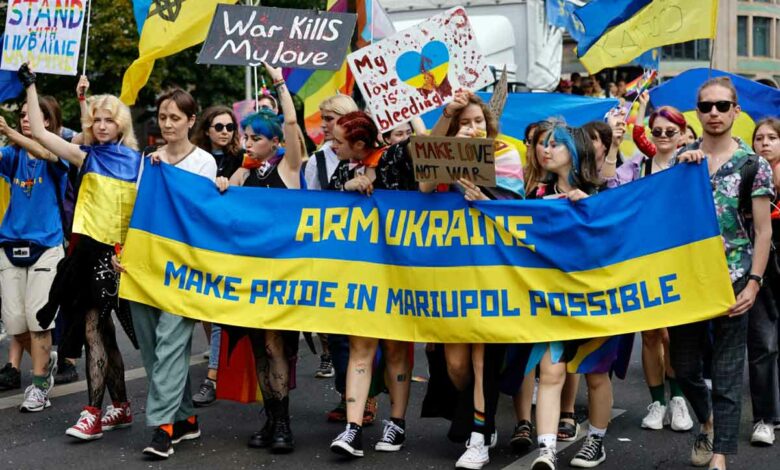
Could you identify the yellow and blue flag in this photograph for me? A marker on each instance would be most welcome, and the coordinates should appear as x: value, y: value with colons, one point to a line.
x: 429, y: 268
x: 757, y: 101
x: 169, y: 27
x: 107, y: 193
x: 618, y: 31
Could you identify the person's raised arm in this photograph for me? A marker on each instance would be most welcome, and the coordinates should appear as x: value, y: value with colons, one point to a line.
x: 418, y: 126
x: 616, y: 121
x: 34, y: 149
x: 293, y: 158
x: 460, y: 101
x: 52, y: 142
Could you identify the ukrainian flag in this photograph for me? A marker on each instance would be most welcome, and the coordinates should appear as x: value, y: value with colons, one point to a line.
x: 616, y: 32
x: 756, y: 100
x: 170, y: 27
x: 107, y: 193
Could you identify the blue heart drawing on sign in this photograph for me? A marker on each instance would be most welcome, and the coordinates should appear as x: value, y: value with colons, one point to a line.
x: 425, y: 69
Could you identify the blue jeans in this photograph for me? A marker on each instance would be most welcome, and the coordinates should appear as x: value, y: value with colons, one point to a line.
x: 216, y: 339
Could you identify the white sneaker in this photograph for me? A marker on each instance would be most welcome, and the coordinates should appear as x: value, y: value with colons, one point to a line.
x: 547, y: 459
x: 51, y: 370
x: 677, y: 415
x: 35, y: 399
x: 476, y: 455
x: 655, y: 416
x: 763, y: 434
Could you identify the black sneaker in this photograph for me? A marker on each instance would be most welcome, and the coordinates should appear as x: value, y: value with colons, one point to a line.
x: 282, y: 441
x: 522, y: 436
x: 206, y: 395
x: 66, y: 374
x: 185, y: 431
x: 326, y: 368
x: 262, y: 438
x: 393, y: 437
x: 10, y: 377
x: 161, y: 446
x: 591, y: 454
x: 350, y: 442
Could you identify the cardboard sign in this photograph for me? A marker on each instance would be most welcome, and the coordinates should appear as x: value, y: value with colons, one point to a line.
x: 447, y: 159
x: 419, y: 69
x: 47, y: 34
x: 247, y: 35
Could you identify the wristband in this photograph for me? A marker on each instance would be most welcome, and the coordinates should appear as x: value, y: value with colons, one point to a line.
x: 278, y: 83
x: 757, y: 278
x: 82, y: 98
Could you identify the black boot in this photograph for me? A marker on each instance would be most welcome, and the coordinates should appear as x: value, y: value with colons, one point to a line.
x: 262, y: 438
x: 282, y: 441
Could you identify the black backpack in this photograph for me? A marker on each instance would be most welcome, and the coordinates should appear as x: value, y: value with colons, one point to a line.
x: 748, y: 174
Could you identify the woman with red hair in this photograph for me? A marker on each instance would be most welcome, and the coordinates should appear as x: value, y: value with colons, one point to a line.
x: 667, y: 129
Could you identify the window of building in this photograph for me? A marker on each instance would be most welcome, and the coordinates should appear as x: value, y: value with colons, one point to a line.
x: 761, y: 36
x: 691, y: 50
x: 742, y: 28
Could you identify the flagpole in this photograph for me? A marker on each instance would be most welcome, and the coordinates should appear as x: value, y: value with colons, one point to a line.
x: 86, y: 43
x: 257, y: 104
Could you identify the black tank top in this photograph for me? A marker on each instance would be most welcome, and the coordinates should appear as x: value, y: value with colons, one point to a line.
x: 267, y: 176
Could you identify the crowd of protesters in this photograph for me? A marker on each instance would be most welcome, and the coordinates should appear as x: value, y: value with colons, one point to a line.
x: 73, y: 290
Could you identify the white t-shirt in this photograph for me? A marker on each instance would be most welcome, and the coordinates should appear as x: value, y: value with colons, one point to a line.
x: 199, y: 162
x: 310, y: 173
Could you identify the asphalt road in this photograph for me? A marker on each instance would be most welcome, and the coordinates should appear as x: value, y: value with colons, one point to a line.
x: 37, y: 441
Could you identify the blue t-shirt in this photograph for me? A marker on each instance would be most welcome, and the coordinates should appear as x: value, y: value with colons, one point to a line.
x: 33, y: 214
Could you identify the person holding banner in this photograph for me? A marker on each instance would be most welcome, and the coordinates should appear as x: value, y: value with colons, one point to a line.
x: 570, y: 163
x: 468, y: 116
x: 165, y: 338
x: 668, y: 127
x: 746, y: 256
x: 31, y: 236
x: 273, y: 350
x: 355, y: 142
x: 85, y: 286
x: 321, y: 165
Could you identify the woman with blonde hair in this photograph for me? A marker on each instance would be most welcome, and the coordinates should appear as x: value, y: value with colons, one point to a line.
x: 322, y: 164
x: 85, y: 284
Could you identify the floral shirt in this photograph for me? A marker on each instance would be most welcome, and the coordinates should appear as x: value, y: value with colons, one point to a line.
x: 725, y: 192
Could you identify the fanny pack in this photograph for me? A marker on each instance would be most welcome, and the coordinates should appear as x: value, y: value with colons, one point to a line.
x: 23, y: 254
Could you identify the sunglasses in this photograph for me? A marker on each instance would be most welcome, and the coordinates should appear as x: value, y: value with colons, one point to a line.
x: 721, y: 106
x: 219, y: 127
x: 669, y: 133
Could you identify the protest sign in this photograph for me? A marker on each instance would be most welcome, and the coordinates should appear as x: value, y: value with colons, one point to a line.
x: 447, y: 159
x: 46, y: 34
x: 247, y: 35
x: 419, y: 69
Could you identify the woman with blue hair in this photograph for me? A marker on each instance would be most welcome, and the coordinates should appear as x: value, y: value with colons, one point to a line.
x: 267, y: 166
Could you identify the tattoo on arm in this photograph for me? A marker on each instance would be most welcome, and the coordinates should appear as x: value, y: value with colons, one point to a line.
x: 360, y: 370
x: 401, y: 378
x: 351, y: 400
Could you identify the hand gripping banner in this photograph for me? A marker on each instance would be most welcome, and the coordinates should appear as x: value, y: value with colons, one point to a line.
x: 429, y: 267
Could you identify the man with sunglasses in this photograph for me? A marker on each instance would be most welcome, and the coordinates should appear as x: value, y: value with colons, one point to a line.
x: 719, y: 414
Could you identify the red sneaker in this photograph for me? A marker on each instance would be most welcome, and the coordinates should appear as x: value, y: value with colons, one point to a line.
x: 117, y: 416
x: 88, y: 426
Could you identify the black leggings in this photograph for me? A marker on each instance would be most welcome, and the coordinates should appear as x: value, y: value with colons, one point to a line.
x: 105, y: 368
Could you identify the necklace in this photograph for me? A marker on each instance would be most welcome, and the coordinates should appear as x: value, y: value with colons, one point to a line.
x: 28, y: 179
x: 179, y: 160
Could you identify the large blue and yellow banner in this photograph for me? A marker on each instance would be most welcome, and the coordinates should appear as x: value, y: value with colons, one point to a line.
x: 429, y: 267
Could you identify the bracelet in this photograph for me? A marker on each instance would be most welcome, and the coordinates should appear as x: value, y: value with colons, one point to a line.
x: 82, y: 98
x: 611, y: 162
x: 448, y: 116
x: 278, y: 83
